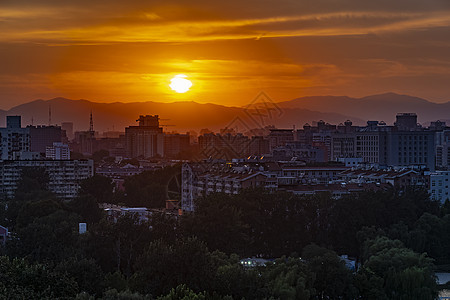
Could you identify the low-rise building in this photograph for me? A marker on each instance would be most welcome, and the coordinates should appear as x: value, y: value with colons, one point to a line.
x: 200, y: 179
x: 336, y: 190
x: 400, y: 179
x: 58, y: 151
x: 439, y: 186
x: 310, y: 174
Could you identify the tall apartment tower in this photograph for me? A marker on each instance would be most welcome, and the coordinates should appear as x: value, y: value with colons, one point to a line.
x: 68, y: 127
x: 145, y: 140
x: 43, y: 136
x: 13, y: 139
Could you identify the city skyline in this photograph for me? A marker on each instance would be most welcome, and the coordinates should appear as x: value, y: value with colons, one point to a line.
x: 130, y: 51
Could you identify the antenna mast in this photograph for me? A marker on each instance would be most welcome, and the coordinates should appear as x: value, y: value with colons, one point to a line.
x: 91, y: 124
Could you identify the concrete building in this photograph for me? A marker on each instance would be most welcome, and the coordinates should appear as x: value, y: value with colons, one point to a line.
x: 145, y: 140
x: 300, y: 152
x: 43, y: 136
x: 175, y: 143
x: 404, y: 145
x: 343, y: 145
x: 13, y: 139
x: 280, y: 137
x: 259, y: 145
x: 68, y: 128
x: 84, y: 142
x: 224, y: 145
x: 406, y: 122
x: 202, y: 179
x: 399, y: 179
x: 350, y: 161
x: 64, y: 175
x: 336, y: 190
x: 411, y: 148
x: 294, y: 175
x: 442, y: 148
x: 439, y: 186
x: 58, y: 151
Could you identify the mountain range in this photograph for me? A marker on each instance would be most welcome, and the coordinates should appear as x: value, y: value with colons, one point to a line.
x: 185, y: 116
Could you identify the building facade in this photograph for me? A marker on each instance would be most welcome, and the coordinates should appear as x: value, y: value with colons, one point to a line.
x: 64, y: 175
x: 58, y: 151
x: 13, y: 139
x: 145, y: 140
x: 42, y: 137
x: 198, y: 180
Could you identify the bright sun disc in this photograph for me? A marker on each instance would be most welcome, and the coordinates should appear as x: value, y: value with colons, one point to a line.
x: 180, y: 84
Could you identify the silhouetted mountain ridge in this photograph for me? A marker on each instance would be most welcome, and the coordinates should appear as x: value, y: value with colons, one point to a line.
x: 190, y: 115
x: 186, y: 115
x: 382, y: 107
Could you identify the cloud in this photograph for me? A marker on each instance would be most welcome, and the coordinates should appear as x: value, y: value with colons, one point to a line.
x: 141, y: 21
x: 129, y: 49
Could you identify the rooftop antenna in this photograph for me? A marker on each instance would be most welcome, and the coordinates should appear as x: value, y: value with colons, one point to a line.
x: 91, y: 124
x: 32, y: 121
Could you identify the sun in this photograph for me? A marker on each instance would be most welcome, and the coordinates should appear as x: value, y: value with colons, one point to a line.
x: 180, y: 84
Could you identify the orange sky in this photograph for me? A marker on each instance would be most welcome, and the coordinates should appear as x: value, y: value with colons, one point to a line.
x: 128, y: 50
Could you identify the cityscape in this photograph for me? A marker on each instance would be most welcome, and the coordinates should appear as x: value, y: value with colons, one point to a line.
x: 254, y: 150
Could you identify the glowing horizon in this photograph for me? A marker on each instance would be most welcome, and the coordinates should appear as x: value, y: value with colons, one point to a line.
x: 129, y: 51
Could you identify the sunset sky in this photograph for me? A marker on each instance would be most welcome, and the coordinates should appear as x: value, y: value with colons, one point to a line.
x: 231, y: 50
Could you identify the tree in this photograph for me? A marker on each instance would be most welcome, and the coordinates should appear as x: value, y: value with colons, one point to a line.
x: 48, y: 238
x: 85, y: 272
x: 116, y: 246
x: 287, y: 278
x: 392, y: 271
x: 182, y: 292
x: 162, y: 266
x: 217, y: 222
x: 148, y: 189
x: 32, y: 187
x: 427, y: 236
x: 99, y: 155
x: 113, y: 294
x: 333, y: 280
x: 87, y: 207
x: 99, y: 187
x: 20, y: 280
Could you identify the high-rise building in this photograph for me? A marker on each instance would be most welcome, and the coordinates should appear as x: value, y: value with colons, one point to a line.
x: 145, y: 140
x: 13, y: 139
x: 175, y: 143
x: 343, y: 145
x: 13, y: 122
x: 280, y: 137
x: 68, y: 128
x: 43, y: 136
x: 403, y: 145
x: 259, y: 145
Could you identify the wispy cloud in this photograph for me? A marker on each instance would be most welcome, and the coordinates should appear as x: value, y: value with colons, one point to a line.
x: 46, y: 26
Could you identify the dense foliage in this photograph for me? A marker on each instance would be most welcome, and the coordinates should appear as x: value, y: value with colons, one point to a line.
x: 394, y: 235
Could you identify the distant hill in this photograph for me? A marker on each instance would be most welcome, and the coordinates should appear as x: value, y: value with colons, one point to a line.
x: 184, y: 115
x: 195, y: 116
x: 381, y: 107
